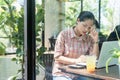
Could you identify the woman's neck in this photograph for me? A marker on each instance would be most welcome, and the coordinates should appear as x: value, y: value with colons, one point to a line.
x: 77, y: 32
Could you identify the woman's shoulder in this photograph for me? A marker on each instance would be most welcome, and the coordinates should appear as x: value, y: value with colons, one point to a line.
x: 67, y: 30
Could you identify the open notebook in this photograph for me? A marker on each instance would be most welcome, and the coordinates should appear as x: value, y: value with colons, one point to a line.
x: 105, y: 54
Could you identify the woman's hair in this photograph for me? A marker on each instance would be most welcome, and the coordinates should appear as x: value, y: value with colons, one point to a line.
x: 86, y: 15
x: 97, y: 24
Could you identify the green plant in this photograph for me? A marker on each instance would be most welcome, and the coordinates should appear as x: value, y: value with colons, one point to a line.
x: 12, y: 24
x: 2, y: 48
x: 19, y: 60
x: 40, y: 51
x: 71, y: 8
x: 115, y: 54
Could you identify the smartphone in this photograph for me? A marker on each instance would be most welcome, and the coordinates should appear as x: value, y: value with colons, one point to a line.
x: 77, y: 66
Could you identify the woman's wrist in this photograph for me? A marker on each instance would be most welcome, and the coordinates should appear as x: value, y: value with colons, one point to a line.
x: 96, y: 42
x: 74, y: 61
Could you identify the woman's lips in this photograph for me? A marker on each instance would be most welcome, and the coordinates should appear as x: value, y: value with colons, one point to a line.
x: 84, y: 32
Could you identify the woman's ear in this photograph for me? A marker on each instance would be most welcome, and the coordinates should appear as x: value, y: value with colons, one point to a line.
x: 78, y: 20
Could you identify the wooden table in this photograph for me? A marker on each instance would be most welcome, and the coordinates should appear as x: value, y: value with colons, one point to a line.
x: 114, y: 73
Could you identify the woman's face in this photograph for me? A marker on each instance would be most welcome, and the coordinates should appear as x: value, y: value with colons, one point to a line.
x: 84, y: 27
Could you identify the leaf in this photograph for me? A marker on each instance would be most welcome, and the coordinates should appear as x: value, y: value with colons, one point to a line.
x: 13, y: 59
x: 18, y: 51
x: 12, y: 77
x: 19, y: 71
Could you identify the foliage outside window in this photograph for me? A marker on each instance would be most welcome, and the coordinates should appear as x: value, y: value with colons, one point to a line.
x: 74, y: 9
x: 110, y: 14
x: 12, y: 27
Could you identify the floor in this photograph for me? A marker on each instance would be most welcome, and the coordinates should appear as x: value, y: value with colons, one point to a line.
x: 9, y: 68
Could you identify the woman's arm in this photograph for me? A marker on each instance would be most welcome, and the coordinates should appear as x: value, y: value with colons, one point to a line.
x: 96, y: 49
x: 94, y: 35
x: 65, y: 60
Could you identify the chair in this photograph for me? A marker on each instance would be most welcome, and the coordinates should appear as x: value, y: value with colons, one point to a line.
x: 48, y: 64
x: 52, y: 43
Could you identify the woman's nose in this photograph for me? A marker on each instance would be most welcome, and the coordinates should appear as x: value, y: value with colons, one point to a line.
x: 86, y: 29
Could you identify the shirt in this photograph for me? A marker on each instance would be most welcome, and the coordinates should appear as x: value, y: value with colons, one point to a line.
x: 69, y: 45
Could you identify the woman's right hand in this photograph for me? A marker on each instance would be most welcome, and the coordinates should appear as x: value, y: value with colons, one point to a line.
x: 82, y: 58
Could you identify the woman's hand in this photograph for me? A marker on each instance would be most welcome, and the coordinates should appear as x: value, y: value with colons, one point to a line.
x: 94, y: 34
x: 82, y: 58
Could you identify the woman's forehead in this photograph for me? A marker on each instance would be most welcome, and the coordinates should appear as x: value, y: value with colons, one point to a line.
x: 89, y: 22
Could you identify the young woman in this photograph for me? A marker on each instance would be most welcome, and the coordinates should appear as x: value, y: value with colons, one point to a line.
x: 73, y: 44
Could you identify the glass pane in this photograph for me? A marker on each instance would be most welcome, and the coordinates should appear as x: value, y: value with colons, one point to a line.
x: 11, y: 39
x: 40, y: 10
x: 53, y: 15
x: 73, y: 8
x: 91, y: 5
x: 110, y: 15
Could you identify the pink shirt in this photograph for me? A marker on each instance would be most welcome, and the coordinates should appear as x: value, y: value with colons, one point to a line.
x: 69, y: 45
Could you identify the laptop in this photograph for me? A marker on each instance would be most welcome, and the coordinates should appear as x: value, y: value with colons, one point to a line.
x: 105, y: 54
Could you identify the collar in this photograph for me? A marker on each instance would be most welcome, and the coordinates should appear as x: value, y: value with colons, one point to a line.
x: 73, y: 35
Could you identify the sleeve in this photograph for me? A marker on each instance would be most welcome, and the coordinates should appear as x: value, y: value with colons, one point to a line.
x: 60, y: 45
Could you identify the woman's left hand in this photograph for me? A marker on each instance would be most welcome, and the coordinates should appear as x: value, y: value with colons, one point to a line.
x: 94, y: 34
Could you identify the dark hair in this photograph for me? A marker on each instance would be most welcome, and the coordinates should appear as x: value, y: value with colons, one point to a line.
x: 86, y: 15
x: 113, y: 35
x: 97, y: 24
